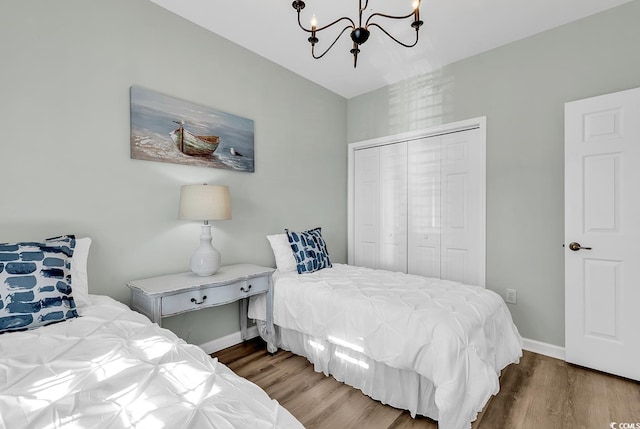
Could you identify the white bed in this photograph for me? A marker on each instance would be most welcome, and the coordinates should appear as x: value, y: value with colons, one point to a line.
x: 112, y: 368
x: 103, y: 365
x: 430, y: 346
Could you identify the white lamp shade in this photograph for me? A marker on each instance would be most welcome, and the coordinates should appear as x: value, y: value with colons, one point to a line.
x: 205, y: 202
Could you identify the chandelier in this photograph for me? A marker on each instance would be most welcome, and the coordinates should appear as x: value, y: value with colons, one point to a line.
x: 359, y: 33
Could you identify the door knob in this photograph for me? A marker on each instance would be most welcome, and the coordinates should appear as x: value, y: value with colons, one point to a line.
x: 576, y: 246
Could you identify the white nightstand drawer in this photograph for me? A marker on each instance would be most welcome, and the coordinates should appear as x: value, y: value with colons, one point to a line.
x: 257, y: 285
x: 214, y: 295
x: 172, y: 294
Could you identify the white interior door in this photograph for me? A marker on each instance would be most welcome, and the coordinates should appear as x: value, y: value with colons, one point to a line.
x: 602, y: 233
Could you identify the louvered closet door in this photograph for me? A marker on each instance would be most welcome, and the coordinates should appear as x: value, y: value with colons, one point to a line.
x: 393, y: 207
x: 425, y: 219
x: 366, y: 207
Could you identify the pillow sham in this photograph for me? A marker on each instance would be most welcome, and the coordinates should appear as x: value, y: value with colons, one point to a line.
x: 35, y: 283
x: 309, y: 250
x: 79, y: 272
x: 285, y: 262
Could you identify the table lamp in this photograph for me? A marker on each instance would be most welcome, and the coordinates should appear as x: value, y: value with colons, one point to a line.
x: 205, y: 203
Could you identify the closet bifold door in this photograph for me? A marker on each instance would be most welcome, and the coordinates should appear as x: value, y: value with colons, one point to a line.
x: 463, y: 208
x: 446, y: 207
x: 424, y: 221
x: 393, y: 207
x: 366, y: 207
x: 418, y: 205
x: 380, y: 207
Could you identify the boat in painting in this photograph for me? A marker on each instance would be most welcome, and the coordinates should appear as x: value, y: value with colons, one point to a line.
x: 193, y: 145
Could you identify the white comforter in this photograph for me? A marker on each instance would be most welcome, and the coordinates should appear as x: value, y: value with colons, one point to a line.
x: 113, y: 368
x: 458, y: 336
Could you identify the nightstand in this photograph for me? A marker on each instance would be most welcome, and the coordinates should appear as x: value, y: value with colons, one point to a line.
x: 173, y: 294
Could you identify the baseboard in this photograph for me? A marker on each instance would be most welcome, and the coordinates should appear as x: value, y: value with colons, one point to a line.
x: 228, y: 341
x: 544, y: 348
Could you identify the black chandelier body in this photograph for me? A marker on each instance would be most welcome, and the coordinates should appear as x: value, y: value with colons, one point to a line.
x: 359, y: 33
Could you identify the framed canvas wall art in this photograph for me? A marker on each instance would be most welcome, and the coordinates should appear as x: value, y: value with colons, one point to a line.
x: 167, y: 129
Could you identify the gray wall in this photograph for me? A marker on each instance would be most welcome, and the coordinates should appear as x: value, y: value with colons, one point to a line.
x: 521, y: 88
x: 65, y: 72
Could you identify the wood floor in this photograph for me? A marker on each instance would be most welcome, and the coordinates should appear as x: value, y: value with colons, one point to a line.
x: 538, y: 393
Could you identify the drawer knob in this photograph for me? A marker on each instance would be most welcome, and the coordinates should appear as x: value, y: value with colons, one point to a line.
x: 198, y: 303
x: 245, y: 290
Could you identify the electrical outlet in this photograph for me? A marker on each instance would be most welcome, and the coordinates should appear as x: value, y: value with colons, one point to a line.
x: 512, y: 296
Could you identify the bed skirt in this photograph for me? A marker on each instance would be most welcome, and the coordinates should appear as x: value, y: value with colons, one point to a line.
x: 398, y: 388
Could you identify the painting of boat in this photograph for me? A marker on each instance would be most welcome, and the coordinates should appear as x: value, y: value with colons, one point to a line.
x: 191, y: 144
x: 173, y: 130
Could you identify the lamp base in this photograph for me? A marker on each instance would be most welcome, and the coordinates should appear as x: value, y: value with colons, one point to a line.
x: 206, y: 259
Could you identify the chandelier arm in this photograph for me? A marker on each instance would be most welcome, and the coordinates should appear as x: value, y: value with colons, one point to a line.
x: 353, y: 25
x: 373, y: 24
x: 384, y: 15
x: 360, y: 10
x: 330, y: 46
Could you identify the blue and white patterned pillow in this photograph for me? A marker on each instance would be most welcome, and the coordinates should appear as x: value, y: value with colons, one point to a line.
x: 35, y: 283
x: 309, y: 249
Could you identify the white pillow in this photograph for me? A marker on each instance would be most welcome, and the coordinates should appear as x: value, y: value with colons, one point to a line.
x: 285, y: 261
x: 79, y: 278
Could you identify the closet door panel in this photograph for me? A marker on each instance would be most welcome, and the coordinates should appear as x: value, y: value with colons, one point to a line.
x: 424, y: 217
x: 366, y: 207
x: 463, y: 208
x: 393, y: 207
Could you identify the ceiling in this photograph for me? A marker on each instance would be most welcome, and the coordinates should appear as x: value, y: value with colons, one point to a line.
x: 452, y: 30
